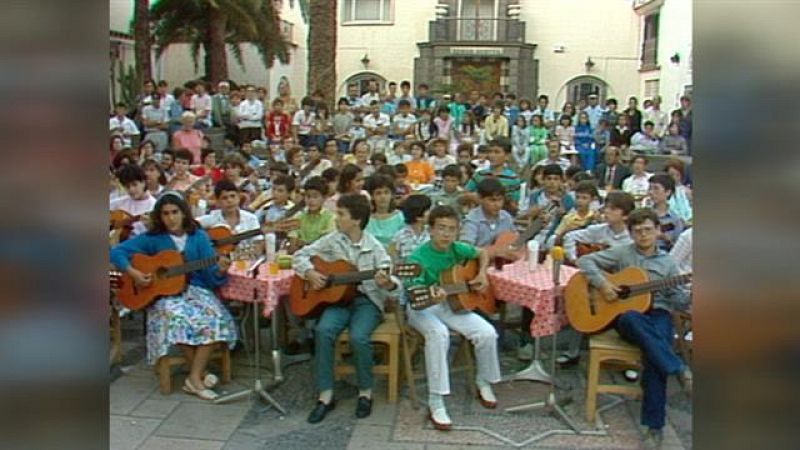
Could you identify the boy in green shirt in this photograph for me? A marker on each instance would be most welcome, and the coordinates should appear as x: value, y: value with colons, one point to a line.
x: 315, y: 222
x: 440, y: 253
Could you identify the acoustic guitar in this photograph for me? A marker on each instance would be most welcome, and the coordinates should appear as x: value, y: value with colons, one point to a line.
x: 169, y: 277
x: 514, y: 241
x: 587, y: 309
x: 123, y: 222
x: 340, y: 287
x: 460, y: 295
x: 224, y: 240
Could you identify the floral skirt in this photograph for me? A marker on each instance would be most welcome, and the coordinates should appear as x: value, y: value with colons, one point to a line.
x: 194, y: 317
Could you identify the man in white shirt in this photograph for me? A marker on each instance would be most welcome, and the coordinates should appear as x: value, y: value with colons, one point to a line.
x: 377, y: 125
x: 120, y: 124
x: 403, y: 122
x: 548, y: 115
x: 371, y: 94
x: 645, y: 141
x: 303, y: 122
x: 659, y: 118
x: 249, y: 116
x: 156, y: 122
x: 594, y: 111
x: 201, y: 105
x: 638, y: 183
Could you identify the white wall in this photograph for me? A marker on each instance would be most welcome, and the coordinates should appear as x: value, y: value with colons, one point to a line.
x: 602, y: 29
x: 675, y: 36
x: 391, y: 48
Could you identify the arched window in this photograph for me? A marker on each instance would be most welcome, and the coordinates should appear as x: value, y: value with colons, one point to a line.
x: 362, y: 80
x: 580, y: 87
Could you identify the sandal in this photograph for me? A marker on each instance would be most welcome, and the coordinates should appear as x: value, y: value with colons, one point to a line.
x: 210, y: 380
x: 205, y: 394
x: 566, y: 360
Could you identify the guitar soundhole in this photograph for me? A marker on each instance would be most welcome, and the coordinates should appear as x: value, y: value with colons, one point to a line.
x: 160, y: 273
x: 624, y: 292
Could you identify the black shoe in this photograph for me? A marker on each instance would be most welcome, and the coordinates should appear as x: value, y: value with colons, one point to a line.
x: 320, y: 411
x: 363, y: 407
x: 565, y: 360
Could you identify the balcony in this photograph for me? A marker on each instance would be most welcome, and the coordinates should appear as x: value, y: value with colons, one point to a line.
x: 474, y: 30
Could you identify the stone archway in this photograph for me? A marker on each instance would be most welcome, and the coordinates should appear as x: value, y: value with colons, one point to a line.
x: 362, y: 79
x: 581, y: 86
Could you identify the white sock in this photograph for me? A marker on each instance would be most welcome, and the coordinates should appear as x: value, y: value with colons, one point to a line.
x: 326, y: 396
x: 435, y: 401
x: 365, y: 393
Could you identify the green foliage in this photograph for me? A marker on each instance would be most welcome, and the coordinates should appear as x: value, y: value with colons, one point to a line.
x: 128, y: 84
x: 478, y: 74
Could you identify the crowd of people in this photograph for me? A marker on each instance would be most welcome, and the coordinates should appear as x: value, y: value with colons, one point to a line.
x: 395, y: 176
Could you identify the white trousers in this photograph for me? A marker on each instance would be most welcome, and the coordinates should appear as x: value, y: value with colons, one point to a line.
x: 433, y: 323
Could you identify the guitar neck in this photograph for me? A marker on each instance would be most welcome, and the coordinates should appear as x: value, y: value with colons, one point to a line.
x: 239, y: 237
x: 655, y: 285
x: 351, y: 277
x: 185, y: 268
x: 455, y: 288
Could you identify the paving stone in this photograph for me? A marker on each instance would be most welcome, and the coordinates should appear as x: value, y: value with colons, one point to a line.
x: 129, y: 432
x: 126, y: 393
x: 209, y: 421
x: 158, y: 409
x: 162, y: 443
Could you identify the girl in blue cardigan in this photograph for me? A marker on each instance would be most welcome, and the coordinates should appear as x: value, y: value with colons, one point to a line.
x: 194, y: 320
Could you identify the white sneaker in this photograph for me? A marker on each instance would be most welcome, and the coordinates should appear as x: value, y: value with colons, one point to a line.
x: 486, y: 396
x: 631, y: 375
x: 525, y: 353
x: 440, y: 419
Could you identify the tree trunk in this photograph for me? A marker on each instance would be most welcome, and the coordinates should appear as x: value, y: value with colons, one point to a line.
x: 141, y: 38
x: 322, y: 49
x: 216, y: 58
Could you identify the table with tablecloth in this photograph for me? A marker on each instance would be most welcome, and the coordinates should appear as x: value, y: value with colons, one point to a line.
x: 532, y: 289
x: 265, y: 288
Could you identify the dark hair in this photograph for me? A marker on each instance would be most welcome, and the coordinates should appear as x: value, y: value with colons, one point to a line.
x: 587, y: 187
x: 648, y: 122
x: 346, y: 176
x: 234, y: 159
x: 422, y: 85
x: 306, y: 101
x: 553, y: 169
x: 442, y: 109
x: 120, y: 105
x: 419, y: 144
x: 224, y: 185
x: 378, y: 181
x: 620, y: 200
x: 162, y: 176
x: 572, y: 171
x: 403, y: 102
x: 642, y: 157
x: 565, y: 117
x: 665, y: 181
x: 184, y: 154
x: 205, y: 152
x: 316, y: 183
x: 443, y: 212
x: 330, y: 174
x: 386, y: 169
x: 379, y: 157
x: 130, y: 173
x: 284, y: 180
x: 501, y: 142
x: 405, y: 83
x: 415, y: 207
x: 343, y: 100
x: 584, y: 176
x: 611, y: 101
x: 489, y: 187
x: 470, y: 170
x: 358, y: 206
x: 543, y: 97
x: 464, y: 146
x: 400, y: 169
x: 640, y: 216
x: 359, y: 141
x: 451, y: 170
x: 534, y: 172
x: 172, y: 198
x: 163, y: 83
x: 676, y: 164
x: 513, y: 96
x: 127, y: 153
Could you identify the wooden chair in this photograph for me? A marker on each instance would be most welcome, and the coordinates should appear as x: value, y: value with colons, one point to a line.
x: 413, y: 341
x: 116, y: 335
x: 387, y: 335
x: 682, y: 321
x: 608, y: 350
x: 165, y: 363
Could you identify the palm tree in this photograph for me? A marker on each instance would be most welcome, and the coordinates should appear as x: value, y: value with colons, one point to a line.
x: 322, y: 49
x: 141, y: 38
x: 213, y: 24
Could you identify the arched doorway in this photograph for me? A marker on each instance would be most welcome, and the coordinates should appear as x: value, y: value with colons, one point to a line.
x: 580, y: 87
x: 362, y: 80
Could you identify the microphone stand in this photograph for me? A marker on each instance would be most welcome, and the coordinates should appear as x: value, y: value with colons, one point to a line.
x: 535, y: 368
x: 258, y: 387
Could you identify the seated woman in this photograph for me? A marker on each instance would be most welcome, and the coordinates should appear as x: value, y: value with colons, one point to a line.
x: 194, y: 320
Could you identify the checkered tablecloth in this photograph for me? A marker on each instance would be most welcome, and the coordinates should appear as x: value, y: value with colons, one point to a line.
x: 264, y: 288
x: 533, y: 290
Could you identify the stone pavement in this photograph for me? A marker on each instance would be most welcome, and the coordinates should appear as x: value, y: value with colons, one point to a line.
x: 142, y: 418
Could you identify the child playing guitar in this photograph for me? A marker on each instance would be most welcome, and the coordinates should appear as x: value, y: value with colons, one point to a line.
x: 440, y: 253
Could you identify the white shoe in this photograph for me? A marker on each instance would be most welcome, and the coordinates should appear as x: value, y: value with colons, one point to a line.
x: 486, y: 396
x: 441, y: 421
x: 631, y: 375
x: 525, y: 353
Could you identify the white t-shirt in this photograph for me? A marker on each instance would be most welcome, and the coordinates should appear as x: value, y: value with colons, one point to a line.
x: 250, y: 113
x: 303, y: 122
x: 371, y: 122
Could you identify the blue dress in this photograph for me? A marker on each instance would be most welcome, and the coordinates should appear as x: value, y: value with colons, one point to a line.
x: 584, y: 143
x: 194, y: 317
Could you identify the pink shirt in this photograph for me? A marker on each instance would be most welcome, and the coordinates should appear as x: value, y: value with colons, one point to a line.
x: 191, y: 140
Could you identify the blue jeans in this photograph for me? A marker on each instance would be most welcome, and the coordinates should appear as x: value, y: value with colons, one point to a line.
x: 363, y: 317
x: 653, y: 333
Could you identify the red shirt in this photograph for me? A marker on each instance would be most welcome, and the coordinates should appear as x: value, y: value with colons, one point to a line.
x: 216, y: 173
x: 278, y: 125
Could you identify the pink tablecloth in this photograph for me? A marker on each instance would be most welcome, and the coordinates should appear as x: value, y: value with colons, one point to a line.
x: 533, y: 290
x: 265, y: 288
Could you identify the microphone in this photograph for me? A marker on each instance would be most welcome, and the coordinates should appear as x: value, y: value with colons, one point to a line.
x: 251, y: 270
x: 557, y: 254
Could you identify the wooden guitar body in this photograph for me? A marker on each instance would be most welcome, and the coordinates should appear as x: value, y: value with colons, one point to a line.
x: 135, y: 297
x: 505, y: 240
x: 307, y: 302
x: 470, y: 300
x: 587, y: 309
x: 122, y: 222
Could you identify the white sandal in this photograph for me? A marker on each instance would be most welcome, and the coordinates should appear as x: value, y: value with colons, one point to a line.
x: 210, y: 380
x: 205, y: 394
